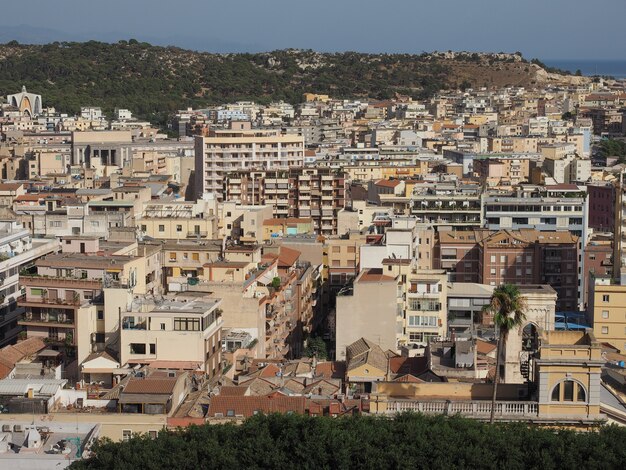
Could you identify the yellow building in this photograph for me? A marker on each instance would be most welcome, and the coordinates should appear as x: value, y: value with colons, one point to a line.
x: 568, y: 371
x: 273, y: 228
x: 607, y: 312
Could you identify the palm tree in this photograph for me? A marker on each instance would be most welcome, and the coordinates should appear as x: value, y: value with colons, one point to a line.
x: 507, y: 306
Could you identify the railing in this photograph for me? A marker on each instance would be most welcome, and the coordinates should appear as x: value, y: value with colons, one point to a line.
x: 195, y: 234
x: 59, y: 281
x: 466, y: 408
x: 33, y: 319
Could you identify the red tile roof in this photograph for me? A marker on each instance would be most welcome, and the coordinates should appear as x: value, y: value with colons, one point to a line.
x: 287, y: 256
x: 150, y: 386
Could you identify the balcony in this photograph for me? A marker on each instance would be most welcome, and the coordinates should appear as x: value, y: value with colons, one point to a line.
x: 471, y: 409
x: 59, y: 321
x: 24, y: 301
x: 63, y: 282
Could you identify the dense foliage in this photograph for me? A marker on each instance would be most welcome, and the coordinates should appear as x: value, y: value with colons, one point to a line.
x: 152, y: 81
x: 613, y: 148
x: 410, y: 441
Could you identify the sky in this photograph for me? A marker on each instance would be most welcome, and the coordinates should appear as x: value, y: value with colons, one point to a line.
x: 546, y: 29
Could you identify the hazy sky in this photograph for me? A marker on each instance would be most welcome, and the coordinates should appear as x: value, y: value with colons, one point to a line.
x: 548, y: 29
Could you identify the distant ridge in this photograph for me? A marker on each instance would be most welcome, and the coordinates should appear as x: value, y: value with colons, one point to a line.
x: 153, y: 81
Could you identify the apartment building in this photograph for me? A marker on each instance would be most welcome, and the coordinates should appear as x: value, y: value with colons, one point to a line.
x: 341, y: 256
x: 178, y: 220
x: 65, y: 295
x: 447, y: 204
x: 422, y: 311
x: 181, y: 329
x: 17, y: 252
x: 519, y: 257
x: 318, y: 193
x: 547, y: 208
x: 606, y: 311
x: 367, y: 310
x: 241, y: 147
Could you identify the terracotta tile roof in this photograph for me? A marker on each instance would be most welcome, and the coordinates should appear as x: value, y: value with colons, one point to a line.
x: 484, y: 347
x: 331, y: 370
x: 30, y: 346
x: 387, y: 183
x: 407, y: 378
x: 288, y: 256
x: 150, y: 386
x: 408, y: 365
x: 232, y: 406
x: 233, y: 391
x: 373, y: 275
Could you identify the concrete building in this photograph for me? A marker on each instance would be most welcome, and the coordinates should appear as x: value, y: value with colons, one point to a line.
x: 181, y: 329
x: 367, y: 310
x: 242, y: 147
x: 605, y: 312
x: 29, y: 104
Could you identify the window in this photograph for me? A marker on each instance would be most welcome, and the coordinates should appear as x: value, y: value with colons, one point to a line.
x: 568, y: 391
x: 36, y: 292
x: 161, y: 228
x: 162, y: 326
x: 153, y: 434
x: 492, y: 271
x: 126, y: 435
x: 195, y: 256
x: 556, y: 393
x: 605, y: 314
x: 152, y: 348
x: 186, y: 324
x: 137, y: 348
x: 493, y: 258
x: 605, y: 330
x: 172, y: 256
x: 144, y: 228
x: 179, y: 228
x: 580, y: 393
x: 605, y: 298
x: 503, y: 259
x: 230, y: 413
x: 100, y: 315
x: 336, y: 249
x: 351, y: 249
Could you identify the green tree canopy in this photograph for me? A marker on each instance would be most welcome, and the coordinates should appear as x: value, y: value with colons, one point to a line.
x: 409, y: 441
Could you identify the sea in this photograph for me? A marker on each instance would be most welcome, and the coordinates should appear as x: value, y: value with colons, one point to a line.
x: 589, y: 67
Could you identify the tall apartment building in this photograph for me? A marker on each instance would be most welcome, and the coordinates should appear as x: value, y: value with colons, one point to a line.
x: 242, y: 147
x: 607, y: 311
x: 520, y: 257
x: 17, y: 252
x: 318, y: 193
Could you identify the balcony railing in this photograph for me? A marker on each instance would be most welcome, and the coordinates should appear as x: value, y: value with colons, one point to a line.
x: 474, y: 409
x: 196, y: 234
x: 44, y: 281
x: 47, y: 320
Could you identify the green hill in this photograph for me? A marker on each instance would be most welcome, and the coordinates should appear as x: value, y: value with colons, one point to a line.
x: 153, y: 81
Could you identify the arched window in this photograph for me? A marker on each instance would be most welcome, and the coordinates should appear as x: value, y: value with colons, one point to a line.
x: 569, y: 391
x: 530, y: 338
x: 556, y: 393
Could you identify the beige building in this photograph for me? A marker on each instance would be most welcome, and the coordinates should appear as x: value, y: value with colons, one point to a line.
x: 179, y: 220
x: 367, y: 310
x: 181, y: 329
x: 607, y: 312
x: 242, y: 147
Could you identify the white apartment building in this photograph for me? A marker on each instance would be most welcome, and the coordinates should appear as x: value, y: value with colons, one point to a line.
x: 17, y: 251
x: 242, y: 147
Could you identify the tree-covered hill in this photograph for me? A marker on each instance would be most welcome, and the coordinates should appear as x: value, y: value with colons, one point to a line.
x: 410, y: 441
x: 152, y: 81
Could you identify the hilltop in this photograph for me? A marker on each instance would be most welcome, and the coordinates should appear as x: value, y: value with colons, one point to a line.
x: 153, y: 81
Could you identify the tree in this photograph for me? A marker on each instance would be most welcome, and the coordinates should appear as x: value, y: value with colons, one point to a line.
x: 578, y: 73
x: 507, y: 307
x: 276, y: 283
x: 316, y: 346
